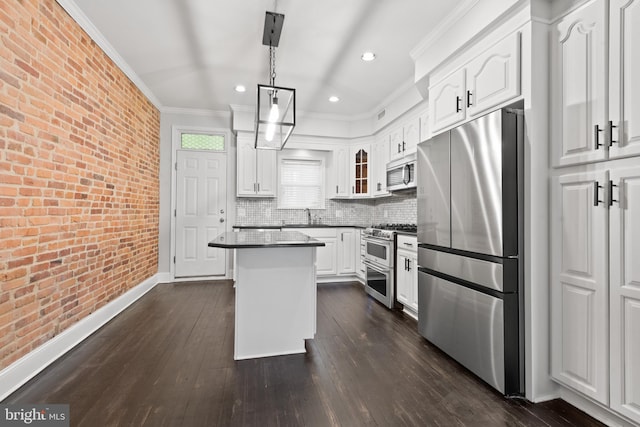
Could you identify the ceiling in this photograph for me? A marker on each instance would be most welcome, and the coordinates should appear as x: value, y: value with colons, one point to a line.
x: 192, y: 53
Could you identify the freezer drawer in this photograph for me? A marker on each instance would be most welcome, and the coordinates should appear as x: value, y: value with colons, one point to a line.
x: 465, y: 324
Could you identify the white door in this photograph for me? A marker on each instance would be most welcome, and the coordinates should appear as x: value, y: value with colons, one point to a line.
x: 579, y: 292
x: 201, y: 194
x: 624, y: 85
x: 578, y: 85
x: 625, y: 292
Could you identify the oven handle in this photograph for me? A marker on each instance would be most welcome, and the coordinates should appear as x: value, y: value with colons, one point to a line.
x: 376, y: 240
x: 375, y: 266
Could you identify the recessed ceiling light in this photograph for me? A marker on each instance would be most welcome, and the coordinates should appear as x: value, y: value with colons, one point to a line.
x: 240, y: 88
x: 368, y: 56
x: 334, y: 99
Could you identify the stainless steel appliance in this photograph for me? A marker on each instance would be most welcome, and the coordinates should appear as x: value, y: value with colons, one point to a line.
x: 401, y: 173
x: 379, y: 260
x: 470, y: 246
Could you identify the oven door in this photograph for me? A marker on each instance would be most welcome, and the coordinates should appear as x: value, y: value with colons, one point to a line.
x: 379, y: 283
x: 379, y: 251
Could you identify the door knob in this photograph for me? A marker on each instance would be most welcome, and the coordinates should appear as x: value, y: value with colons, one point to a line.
x: 221, y: 219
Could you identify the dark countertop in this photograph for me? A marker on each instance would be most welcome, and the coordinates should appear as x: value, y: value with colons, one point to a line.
x: 263, y: 239
x: 278, y: 227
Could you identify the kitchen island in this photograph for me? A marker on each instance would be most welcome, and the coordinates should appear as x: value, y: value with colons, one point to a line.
x: 275, y: 291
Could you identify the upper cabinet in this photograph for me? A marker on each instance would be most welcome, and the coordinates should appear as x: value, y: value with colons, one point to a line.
x: 256, y: 170
x: 359, y: 163
x: 341, y: 171
x: 404, y: 138
x: 489, y: 80
x: 593, y: 117
x: 378, y: 170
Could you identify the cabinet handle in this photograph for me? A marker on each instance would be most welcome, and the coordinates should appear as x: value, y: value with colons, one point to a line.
x: 403, y: 146
x: 258, y: 187
x: 469, y: 99
x: 458, y: 108
x: 254, y: 188
x: 408, y: 264
x: 353, y: 189
x: 379, y: 187
x: 596, y: 197
x: 342, y: 237
x: 336, y: 189
x: 596, y: 136
x: 611, y: 126
x: 406, y: 268
x: 408, y: 244
x: 399, y: 147
x: 610, y: 195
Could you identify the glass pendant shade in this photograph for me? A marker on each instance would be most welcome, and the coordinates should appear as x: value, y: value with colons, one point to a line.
x: 275, y: 116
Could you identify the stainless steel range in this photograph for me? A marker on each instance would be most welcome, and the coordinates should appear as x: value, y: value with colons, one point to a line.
x: 379, y: 260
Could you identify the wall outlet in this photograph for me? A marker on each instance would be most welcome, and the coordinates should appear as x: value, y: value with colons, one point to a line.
x: 338, y: 213
x: 242, y: 212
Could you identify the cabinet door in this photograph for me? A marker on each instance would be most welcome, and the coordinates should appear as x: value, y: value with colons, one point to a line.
x: 578, y: 86
x: 360, y: 162
x: 625, y: 292
x: 446, y: 106
x: 266, y: 166
x: 346, y: 251
x: 341, y: 171
x: 494, y: 77
x: 411, y: 131
x: 326, y: 257
x: 579, y: 292
x: 380, y: 158
x: 246, y: 168
x: 403, y: 279
x: 624, y: 85
x: 395, y: 143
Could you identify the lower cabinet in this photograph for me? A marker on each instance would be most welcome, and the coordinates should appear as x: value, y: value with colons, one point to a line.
x: 338, y: 256
x: 595, y: 288
x: 407, y: 272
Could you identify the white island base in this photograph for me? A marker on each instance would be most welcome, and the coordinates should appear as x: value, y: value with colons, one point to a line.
x: 275, y: 301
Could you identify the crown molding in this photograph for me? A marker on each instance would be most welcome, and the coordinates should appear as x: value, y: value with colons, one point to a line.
x: 444, y: 26
x: 196, y: 112
x: 92, y: 31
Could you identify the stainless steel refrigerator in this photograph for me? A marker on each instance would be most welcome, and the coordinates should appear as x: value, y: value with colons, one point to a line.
x: 470, y: 216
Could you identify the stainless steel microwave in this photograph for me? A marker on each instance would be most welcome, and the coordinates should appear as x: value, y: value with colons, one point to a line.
x: 401, y: 173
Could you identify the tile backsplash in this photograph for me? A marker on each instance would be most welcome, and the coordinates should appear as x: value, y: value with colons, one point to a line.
x: 397, y: 208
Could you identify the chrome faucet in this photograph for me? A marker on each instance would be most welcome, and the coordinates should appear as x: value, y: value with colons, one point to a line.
x: 308, y: 211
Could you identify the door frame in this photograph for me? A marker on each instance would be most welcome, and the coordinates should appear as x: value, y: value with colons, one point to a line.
x: 176, y: 131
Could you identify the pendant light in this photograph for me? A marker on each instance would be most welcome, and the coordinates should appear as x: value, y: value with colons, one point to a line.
x: 276, y: 107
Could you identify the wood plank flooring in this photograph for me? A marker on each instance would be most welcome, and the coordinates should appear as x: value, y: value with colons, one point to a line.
x: 168, y: 361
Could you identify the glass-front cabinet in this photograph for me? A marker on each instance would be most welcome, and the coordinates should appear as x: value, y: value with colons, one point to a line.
x: 360, y: 170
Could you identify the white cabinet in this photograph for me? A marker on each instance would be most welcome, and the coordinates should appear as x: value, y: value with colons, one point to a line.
x: 407, y: 272
x: 624, y: 285
x: 579, y: 294
x: 445, y: 101
x: 487, y: 81
x: 326, y: 256
x: 359, y: 163
x: 424, y: 126
x: 341, y: 171
x: 346, y: 252
x: 256, y: 170
x: 624, y: 86
x: 378, y: 170
x: 578, y: 85
x: 595, y: 107
x: 404, y: 138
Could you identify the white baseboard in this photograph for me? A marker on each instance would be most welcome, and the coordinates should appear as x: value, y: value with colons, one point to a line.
x: 596, y: 410
x: 335, y: 279
x: 25, y: 368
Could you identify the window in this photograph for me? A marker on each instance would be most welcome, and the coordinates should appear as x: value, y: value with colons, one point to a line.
x: 301, y: 183
x: 202, y: 141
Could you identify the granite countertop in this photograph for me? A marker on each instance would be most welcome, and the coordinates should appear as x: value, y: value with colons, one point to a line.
x: 278, y: 227
x: 263, y: 239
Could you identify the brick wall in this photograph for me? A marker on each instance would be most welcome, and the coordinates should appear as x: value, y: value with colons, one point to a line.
x: 79, y: 177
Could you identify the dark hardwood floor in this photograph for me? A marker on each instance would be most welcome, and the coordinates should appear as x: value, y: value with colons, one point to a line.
x: 168, y: 361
